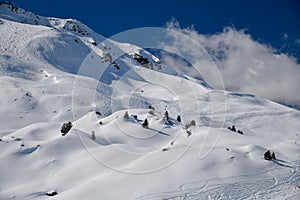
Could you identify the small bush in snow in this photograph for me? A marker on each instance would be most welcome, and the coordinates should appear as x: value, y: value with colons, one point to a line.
x: 117, y: 67
x: 267, y: 155
x: 192, y: 123
x: 51, y: 193
x: 140, y: 59
x: 151, y: 110
x: 66, y: 127
x: 151, y: 107
x: 189, y: 133
x: 235, y: 130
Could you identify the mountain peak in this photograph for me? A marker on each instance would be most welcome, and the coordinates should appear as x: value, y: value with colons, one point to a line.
x: 10, y: 12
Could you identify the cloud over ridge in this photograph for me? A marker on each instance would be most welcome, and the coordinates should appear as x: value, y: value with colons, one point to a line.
x: 246, y: 65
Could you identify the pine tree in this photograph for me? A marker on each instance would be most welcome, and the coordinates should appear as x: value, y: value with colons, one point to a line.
x: 66, y: 127
x: 178, y: 118
x: 93, y: 135
x: 187, y: 126
x: 233, y: 128
x: 145, y: 123
x: 193, y: 123
x: 267, y: 155
x: 166, y: 116
x: 126, y: 115
x: 273, y: 156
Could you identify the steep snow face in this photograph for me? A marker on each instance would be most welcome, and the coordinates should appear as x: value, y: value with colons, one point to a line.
x: 58, y: 70
x: 63, y: 44
x: 33, y: 44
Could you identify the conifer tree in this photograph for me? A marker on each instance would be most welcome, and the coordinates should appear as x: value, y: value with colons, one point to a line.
x: 273, y: 156
x: 93, y: 135
x: 193, y: 123
x: 126, y: 115
x: 66, y: 127
x: 166, y: 116
x: 145, y: 123
x: 267, y: 155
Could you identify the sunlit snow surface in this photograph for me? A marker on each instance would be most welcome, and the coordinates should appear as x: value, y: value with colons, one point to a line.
x: 40, y: 91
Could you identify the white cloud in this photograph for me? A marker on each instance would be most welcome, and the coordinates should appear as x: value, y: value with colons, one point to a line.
x: 246, y: 65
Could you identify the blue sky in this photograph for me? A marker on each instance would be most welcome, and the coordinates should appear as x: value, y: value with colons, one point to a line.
x: 275, y: 22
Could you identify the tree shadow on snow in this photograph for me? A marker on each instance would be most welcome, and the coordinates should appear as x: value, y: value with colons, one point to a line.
x: 281, y: 163
x: 160, y: 132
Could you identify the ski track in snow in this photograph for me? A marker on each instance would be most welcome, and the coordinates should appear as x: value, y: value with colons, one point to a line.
x: 276, y: 183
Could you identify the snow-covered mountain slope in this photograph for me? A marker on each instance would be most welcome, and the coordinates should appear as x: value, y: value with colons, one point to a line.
x: 47, y: 78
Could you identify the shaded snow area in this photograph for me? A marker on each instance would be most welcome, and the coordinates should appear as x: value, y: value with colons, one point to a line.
x: 110, y: 152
